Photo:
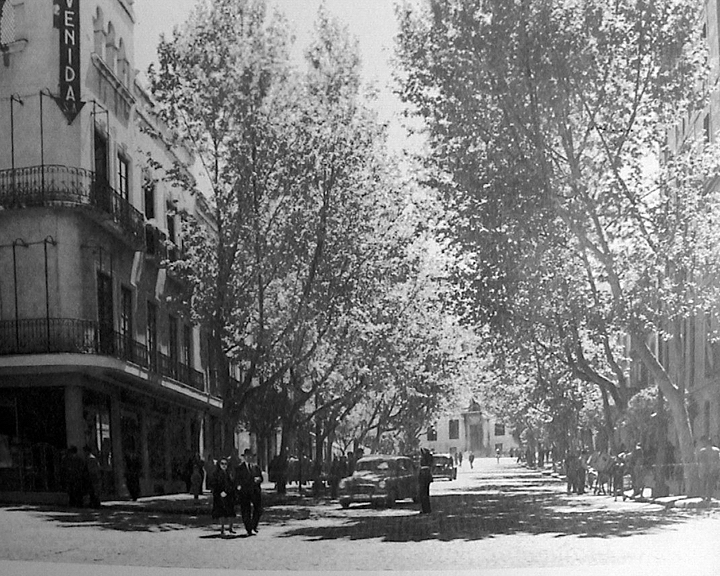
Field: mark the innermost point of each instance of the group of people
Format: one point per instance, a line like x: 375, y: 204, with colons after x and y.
x: 237, y: 484
x: 459, y: 459
x: 598, y: 470
x: 602, y: 473
x: 82, y: 476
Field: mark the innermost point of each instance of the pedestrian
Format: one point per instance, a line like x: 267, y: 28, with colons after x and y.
x: 249, y: 480
x: 471, y: 459
x: 334, y: 477
x: 571, y: 471
x: 460, y: 457
x: 582, y: 471
x: 196, y: 480
x: 424, y: 480
x: 94, y: 477
x: 708, y: 458
x: 223, y: 491
x: 73, y: 472
x: 497, y: 455
x: 637, y: 470
x: 133, y: 470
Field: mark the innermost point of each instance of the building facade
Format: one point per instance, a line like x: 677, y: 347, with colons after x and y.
x: 469, y: 430
x: 693, y: 356
x: 92, y: 353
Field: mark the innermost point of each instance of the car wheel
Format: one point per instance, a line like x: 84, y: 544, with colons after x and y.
x: 391, y: 499
x: 345, y: 503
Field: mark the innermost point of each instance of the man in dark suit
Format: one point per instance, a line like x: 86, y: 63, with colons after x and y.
x: 249, y: 479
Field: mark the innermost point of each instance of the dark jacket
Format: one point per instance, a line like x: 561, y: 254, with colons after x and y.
x: 248, y: 478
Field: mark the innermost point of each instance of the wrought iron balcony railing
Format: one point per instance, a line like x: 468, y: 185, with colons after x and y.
x: 55, y: 185
x: 159, y: 247
x: 64, y: 335
x: 155, y: 242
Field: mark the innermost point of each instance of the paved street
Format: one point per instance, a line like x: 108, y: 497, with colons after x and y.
x: 497, y: 519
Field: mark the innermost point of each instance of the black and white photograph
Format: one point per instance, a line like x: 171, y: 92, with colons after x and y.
x: 359, y: 286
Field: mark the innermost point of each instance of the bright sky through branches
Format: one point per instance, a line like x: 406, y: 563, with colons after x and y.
x: 373, y: 22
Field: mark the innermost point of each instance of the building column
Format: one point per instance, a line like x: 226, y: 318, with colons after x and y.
x: 74, y: 421
x: 202, y: 449
x: 118, y: 458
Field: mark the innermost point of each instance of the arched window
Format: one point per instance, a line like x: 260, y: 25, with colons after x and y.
x: 7, y: 23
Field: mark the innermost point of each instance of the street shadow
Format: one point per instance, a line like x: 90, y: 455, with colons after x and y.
x: 491, y: 512
x: 114, y: 519
x: 134, y: 518
x: 498, y: 506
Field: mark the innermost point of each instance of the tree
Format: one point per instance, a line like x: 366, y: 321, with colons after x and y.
x: 306, y: 212
x: 216, y: 76
x: 542, y: 116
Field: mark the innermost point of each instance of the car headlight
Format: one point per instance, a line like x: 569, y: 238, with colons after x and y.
x: 382, y: 484
x: 343, y: 484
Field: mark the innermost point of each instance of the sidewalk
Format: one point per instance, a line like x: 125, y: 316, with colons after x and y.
x: 676, y: 501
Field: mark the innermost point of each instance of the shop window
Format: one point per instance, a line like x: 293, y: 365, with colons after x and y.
x: 454, y: 429
x: 499, y: 429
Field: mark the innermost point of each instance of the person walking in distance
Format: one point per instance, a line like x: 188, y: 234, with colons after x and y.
x: 249, y: 480
x: 424, y: 480
x: 471, y: 459
x: 223, y: 491
x: 637, y: 470
x: 73, y: 471
x: 94, y: 475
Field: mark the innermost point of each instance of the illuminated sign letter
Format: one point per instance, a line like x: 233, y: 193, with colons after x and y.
x: 69, y: 23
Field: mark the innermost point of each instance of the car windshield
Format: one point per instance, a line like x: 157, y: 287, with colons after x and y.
x: 441, y: 460
x: 372, y: 465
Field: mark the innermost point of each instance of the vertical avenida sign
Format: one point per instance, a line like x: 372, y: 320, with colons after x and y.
x: 68, y: 19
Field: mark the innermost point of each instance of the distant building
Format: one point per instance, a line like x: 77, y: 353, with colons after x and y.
x: 470, y: 430
x: 91, y: 351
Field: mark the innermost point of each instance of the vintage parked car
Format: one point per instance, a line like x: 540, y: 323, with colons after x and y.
x: 380, y: 479
x: 444, y: 467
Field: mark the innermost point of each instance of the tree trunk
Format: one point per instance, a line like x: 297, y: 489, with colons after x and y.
x: 678, y: 411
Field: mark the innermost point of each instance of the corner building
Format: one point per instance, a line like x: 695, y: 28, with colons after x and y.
x: 91, y: 353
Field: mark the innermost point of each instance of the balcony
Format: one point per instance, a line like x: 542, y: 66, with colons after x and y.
x: 155, y: 243
x: 54, y: 185
x: 71, y: 336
